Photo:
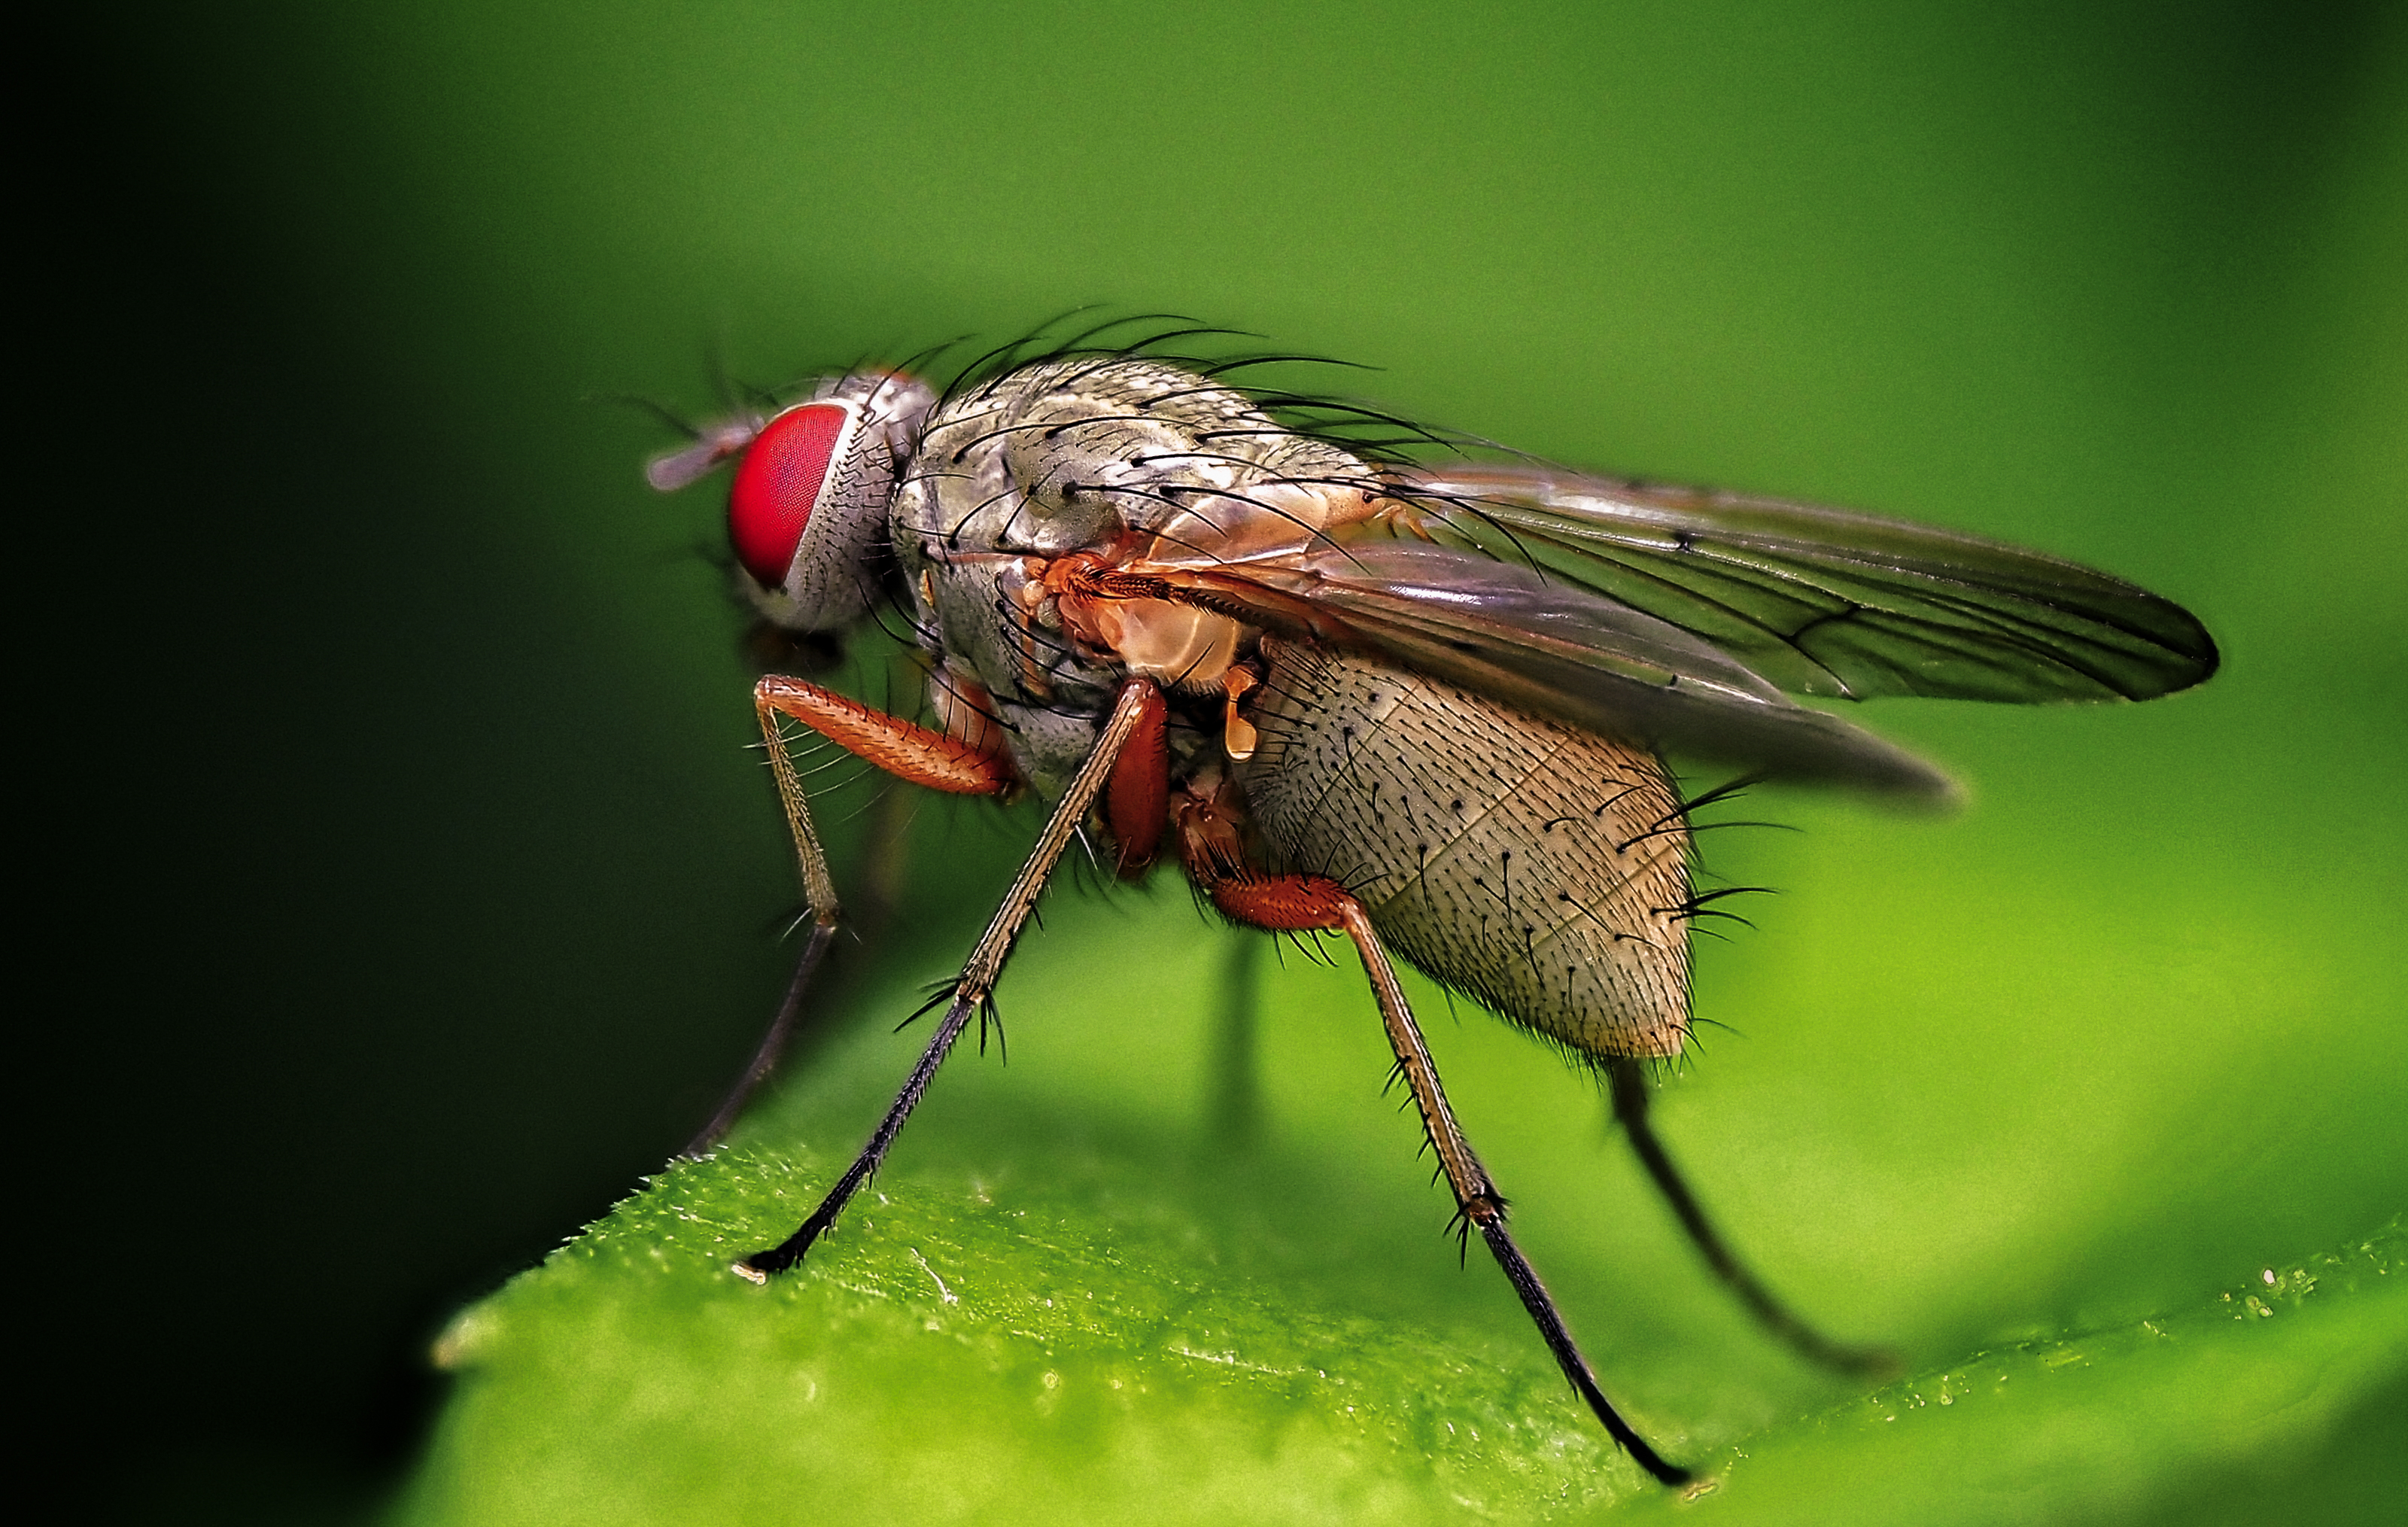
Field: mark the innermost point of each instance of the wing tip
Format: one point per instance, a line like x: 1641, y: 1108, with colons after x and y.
x: 1896, y: 778
x: 2192, y: 658
x: 2205, y: 657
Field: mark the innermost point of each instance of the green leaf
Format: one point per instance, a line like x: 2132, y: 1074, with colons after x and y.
x: 1069, y: 1298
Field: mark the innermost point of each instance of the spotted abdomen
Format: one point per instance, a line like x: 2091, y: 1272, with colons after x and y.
x: 1541, y: 869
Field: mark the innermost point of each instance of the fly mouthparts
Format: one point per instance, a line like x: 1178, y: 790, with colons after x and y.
x: 714, y: 444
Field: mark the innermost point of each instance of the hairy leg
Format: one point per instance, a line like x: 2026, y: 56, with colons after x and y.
x: 1311, y: 901
x: 904, y: 749
x: 977, y: 981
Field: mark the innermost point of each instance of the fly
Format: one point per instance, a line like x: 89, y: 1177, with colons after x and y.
x: 1423, y: 706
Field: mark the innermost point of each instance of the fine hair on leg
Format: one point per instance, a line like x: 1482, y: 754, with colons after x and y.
x: 909, y: 751
x: 1478, y: 1204
x: 973, y: 988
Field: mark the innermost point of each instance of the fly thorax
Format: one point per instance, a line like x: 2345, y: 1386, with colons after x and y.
x: 1096, y: 473
x: 1069, y: 454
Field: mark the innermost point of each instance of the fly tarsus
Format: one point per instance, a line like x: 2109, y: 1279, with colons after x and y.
x: 772, y: 1046
x: 1541, y: 1307
x: 1628, y: 1084
x: 761, y: 1266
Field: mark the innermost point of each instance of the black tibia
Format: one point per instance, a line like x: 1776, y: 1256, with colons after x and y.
x: 773, y: 1044
x: 1476, y: 1198
x: 789, y: 1251
x: 1567, y: 1355
x: 1629, y: 1083
x: 978, y: 978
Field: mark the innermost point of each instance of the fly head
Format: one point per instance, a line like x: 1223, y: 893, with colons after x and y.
x: 807, y: 513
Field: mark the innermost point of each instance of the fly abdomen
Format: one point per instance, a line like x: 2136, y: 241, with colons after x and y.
x: 1541, y: 869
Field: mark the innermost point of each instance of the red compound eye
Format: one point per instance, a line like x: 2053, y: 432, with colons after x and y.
x: 779, y: 482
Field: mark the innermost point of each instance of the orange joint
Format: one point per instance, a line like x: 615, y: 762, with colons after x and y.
x: 1238, y: 734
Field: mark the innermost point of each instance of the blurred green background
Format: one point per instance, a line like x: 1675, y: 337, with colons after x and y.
x: 409, y: 891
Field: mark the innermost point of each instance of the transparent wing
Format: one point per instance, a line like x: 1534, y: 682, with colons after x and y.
x: 1555, y: 649
x: 1822, y: 601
